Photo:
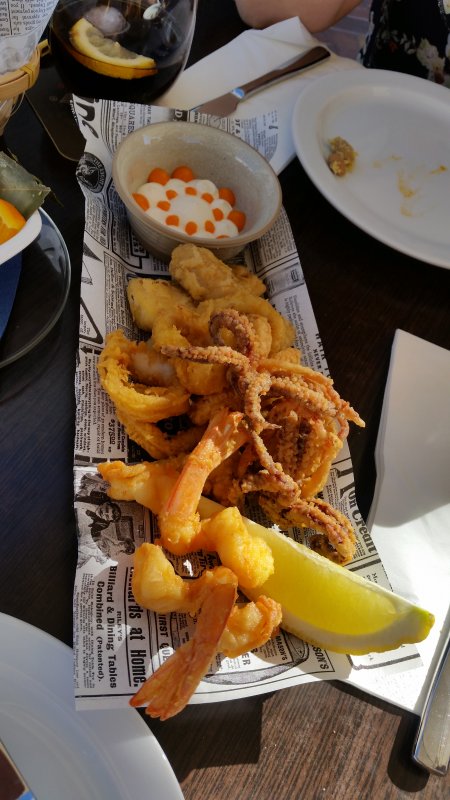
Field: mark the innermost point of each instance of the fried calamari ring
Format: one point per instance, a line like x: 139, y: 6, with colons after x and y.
x: 145, y: 403
x: 152, y: 368
x: 180, y: 330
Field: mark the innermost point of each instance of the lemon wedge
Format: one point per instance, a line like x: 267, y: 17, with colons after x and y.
x: 105, y: 56
x: 328, y: 605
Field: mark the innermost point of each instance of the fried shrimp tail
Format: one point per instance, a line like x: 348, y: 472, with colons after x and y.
x: 170, y: 688
x: 179, y: 522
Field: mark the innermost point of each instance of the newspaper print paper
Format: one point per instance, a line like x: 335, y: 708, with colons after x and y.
x: 116, y: 643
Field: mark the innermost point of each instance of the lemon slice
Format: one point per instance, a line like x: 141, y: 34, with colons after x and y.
x: 105, y: 56
x: 328, y: 605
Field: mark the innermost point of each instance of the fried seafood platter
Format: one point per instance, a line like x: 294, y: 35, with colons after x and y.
x: 256, y: 428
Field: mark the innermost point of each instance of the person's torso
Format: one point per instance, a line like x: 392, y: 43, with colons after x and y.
x: 410, y: 36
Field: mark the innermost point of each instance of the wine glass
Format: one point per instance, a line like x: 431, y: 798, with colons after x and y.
x: 130, y: 50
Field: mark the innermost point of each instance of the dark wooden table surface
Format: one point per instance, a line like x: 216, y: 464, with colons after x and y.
x: 323, y: 740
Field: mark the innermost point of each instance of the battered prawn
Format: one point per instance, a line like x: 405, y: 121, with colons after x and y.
x: 170, y: 688
x: 157, y: 587
x: 179, y: 521
x: 175, y: 497
x: 149, y: 483
x: 222, y: 626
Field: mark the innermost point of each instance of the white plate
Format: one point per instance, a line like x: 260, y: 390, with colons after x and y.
x: 399, y: 189
x: 21, y: 240
x: 62, y: 753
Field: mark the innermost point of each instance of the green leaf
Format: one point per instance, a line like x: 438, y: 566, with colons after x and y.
x: 19, y: 187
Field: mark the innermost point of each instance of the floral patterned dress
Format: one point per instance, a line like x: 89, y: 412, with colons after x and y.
x: 409, y: 36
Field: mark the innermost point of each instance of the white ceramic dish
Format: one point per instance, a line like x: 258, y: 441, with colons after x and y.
x: 62, y: 753
x: 211, y: 153
x: 399, y: 188
x: 21, y: 240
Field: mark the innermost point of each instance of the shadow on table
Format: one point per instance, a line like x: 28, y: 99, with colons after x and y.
x: 15, y: 377
x: 402, y: 770
x: 206, y: 735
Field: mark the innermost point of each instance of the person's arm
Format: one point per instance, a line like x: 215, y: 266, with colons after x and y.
x: 316, y: 15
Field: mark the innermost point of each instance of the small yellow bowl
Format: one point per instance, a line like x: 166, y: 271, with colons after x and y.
x: 212, y: 154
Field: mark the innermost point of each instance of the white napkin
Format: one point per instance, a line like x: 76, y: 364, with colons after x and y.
x: 410, y: 515
x: 250, y: 55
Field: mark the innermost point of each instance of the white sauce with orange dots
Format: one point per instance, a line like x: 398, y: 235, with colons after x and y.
x: 194, y: 206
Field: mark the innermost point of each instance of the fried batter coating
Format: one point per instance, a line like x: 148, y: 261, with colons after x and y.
x: 203, y: 408
x: 250, y: 625
x: 149, y: 483
x: 338, y: 542
x: 283, y: 334
x: 204, y: 276
x: 248, y: 281
x: 248, y: 556
x: 296, y: 422
x: 262, y: 423
x: 222, y: 626
x: 169, y: 689
x: 148, y: 298
x: 151, y: 367
x: 179, y: 521
x: 142, y: 402
x: 233, y: 352
x: 156, y: 442
x: 181, y: 328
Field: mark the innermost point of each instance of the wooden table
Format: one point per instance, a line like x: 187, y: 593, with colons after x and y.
x: 322, y: 740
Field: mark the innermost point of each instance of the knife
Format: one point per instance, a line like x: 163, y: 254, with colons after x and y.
x: 225, y: 104
x: 432, y: 744
x: 9, y: 279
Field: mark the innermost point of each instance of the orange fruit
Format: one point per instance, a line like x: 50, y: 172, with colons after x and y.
x: 11, y: 221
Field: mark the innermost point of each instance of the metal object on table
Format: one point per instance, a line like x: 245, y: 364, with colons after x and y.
x: 227, y: 103
x: 432, y: 744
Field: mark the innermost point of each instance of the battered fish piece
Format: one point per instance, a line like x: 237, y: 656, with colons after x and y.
x: 204, y: 276
x: 148, y: 298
